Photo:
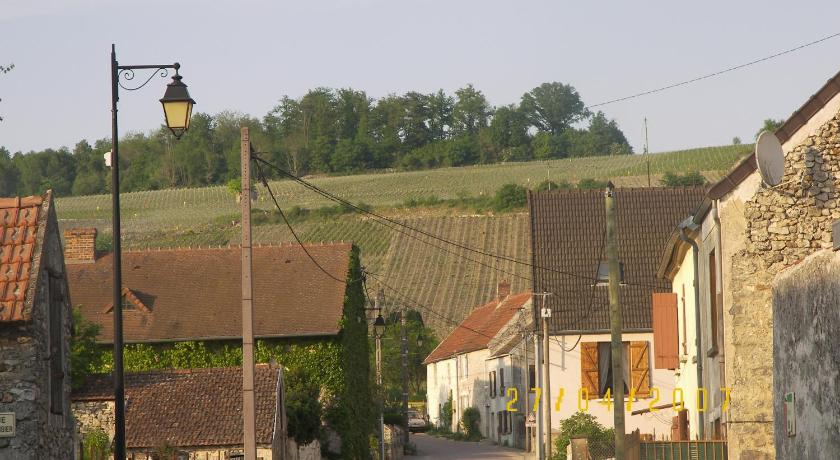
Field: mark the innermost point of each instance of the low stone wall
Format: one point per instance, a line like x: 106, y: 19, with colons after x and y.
x: 806, y: 361
x: 92, y: 415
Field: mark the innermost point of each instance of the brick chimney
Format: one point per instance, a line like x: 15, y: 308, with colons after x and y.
x: 503, y: 289
x: 79, y: 245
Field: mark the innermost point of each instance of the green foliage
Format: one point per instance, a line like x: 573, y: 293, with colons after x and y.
x: 234, y: 186
x: 583, y: 425
x: 85, y: 354
x: 590, y: 184
x: 770, y: 125
x: 421, y: 340
x: 551, y: 185
x: 688, y: 179
x: 303, y: 406
x: 510, y: 196
x: 96, y: 445
x: 471, y: 424
x: 104, y: 242
x: 446, y: 412
x: 736, y: 140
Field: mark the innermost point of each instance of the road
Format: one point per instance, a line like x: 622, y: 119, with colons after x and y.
x: 430, y: 447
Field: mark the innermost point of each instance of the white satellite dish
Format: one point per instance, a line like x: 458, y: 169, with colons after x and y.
x: 770, y: 158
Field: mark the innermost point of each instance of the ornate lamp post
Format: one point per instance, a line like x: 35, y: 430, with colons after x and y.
x: 177, y: 107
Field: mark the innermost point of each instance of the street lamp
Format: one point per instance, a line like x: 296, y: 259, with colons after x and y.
x: 177, y: 108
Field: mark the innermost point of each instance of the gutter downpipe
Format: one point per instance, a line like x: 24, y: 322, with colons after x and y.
x: 697, y: 330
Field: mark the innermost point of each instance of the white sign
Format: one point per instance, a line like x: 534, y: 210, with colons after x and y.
x: 545, y: 312
x: 7, y: 424
x: 790, y: 413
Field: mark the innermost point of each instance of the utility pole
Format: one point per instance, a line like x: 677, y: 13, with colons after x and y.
x: 404, y: 352
x: 647, y: 158
x: 380, y: 295
x: 545, y: 313
x: 248, y: 413
x: 615, y: 323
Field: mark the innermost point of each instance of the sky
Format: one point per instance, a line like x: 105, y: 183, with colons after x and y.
x: 245, y: 55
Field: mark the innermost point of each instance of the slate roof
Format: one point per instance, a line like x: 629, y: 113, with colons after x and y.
x: 19, y: 223
x: 567, y: 235
x: 193, y: 407
x: 195, y: 294
x: 479, y: 327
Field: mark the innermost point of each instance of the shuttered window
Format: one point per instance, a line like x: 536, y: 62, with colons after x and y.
x: 638, y: 362
x: 665, y: 330
x: 589, y: 368
x: 640, y: 368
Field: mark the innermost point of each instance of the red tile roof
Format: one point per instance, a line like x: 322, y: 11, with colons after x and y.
x: 195, y: 294
x: 481, y: 325
x: 19, y: 219
x: 195, y: 407
x: 567, y: 231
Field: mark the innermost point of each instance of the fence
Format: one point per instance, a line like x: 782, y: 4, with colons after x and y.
x: 682, y: 450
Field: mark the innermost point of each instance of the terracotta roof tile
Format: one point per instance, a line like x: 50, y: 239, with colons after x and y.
x: 195, y: 407
x: 481, y: 325
x: 193, y: 294
x: 19, y: 219
x: 567, y: 229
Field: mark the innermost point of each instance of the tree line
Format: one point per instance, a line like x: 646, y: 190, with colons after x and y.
x: 332, y: 131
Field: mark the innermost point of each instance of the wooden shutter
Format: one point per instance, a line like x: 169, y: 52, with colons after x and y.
x: 665, y: 330
x: 589, y: 368
x: 640, y: 368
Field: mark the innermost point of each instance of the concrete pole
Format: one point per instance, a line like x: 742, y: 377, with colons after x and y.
x: 378, y: 336
x: 615, y: 323
x: 404, y: 352
x: 547, y: 387
x: 538, y: 357
x: 248, y: 412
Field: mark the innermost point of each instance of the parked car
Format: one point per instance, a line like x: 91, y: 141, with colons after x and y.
x: 416, y: 422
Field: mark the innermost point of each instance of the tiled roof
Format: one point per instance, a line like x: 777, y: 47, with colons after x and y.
x: 567, y: 235
x: 195, y: 294
x: 479, y: 327
x: 195, y: 407
x: 19, y: 218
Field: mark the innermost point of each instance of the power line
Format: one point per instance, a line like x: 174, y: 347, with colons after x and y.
x: 294, y: 234
x: 715, y: 74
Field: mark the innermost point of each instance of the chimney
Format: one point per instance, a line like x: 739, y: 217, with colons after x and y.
x: 503, y: 290
x: 79, y: 245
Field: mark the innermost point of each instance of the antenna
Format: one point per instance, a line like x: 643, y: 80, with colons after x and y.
x: 646, y: 152
x: 770, y: 158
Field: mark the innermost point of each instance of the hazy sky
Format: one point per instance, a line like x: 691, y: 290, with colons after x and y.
x: 245, y: 55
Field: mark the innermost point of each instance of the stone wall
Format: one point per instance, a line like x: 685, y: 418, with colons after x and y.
x: 25, y: 361
x: 806, y: 362
x: 93, y: 415
x: 783, y: 225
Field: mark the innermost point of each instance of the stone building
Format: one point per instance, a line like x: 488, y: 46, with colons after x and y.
x: 35, y: 323
x: 755, y: 233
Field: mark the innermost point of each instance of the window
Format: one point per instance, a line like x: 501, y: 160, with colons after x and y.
x: 596, y: 368
x: 604, y: 273
x: 532, y: 376
x: 684, y: 328
x: 491, y: 377
x: 502, y: 381
x: 466, y: 366
x: 715, y: 317
x: 55, y: 299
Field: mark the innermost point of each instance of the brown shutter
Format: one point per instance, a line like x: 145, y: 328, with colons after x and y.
x: 665, y: 330
x: 589, y: 368
x: 640, y: 368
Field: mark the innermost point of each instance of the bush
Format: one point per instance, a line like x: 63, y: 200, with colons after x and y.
x: 446, y: 414
x: 589, y: 184
x: 510, y: 196
x: 551, y: 185
x: 582, y: 425
x: 303, y: 406
x: 471, y: 424
x: 689, y: 179
x: 96, y: 445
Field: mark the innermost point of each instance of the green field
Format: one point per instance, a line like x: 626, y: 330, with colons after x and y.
x: 440, y: 280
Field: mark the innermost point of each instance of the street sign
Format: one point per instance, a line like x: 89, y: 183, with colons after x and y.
x: 545, y: 313
x: 531, y: 421
x: 7, y: 424
x: 790, y: 413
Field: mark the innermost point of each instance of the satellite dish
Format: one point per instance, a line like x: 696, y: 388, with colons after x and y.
x: 770, y: 158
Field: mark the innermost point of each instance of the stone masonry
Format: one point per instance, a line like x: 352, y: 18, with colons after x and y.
x: 784, y: 224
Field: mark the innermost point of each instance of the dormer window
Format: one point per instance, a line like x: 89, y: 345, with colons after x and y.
x: 604, y: 273
x: 130, y: 302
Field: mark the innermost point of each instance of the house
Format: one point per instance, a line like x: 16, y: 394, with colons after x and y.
x: 751, y: 238
x: 35, y: 417
x: 570, y: 269
x: 193, y: 413
x: 461, y: 368
x: 190, y: 299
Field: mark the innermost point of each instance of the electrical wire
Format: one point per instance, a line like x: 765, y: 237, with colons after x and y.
x: 294, y: 234
x: 591, y: 298
x: 714, y: 74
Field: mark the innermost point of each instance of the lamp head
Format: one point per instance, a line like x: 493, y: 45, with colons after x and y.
x: 177, y: 106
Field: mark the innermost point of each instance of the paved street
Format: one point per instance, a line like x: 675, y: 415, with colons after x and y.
x: 430, y: 447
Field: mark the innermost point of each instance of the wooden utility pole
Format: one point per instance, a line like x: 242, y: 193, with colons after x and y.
x: 647, y: 158
x: 615, y: 323
x: 404, y: 352
x: 545, y: 313
x: 377, y: 305
x: 248, y: 413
